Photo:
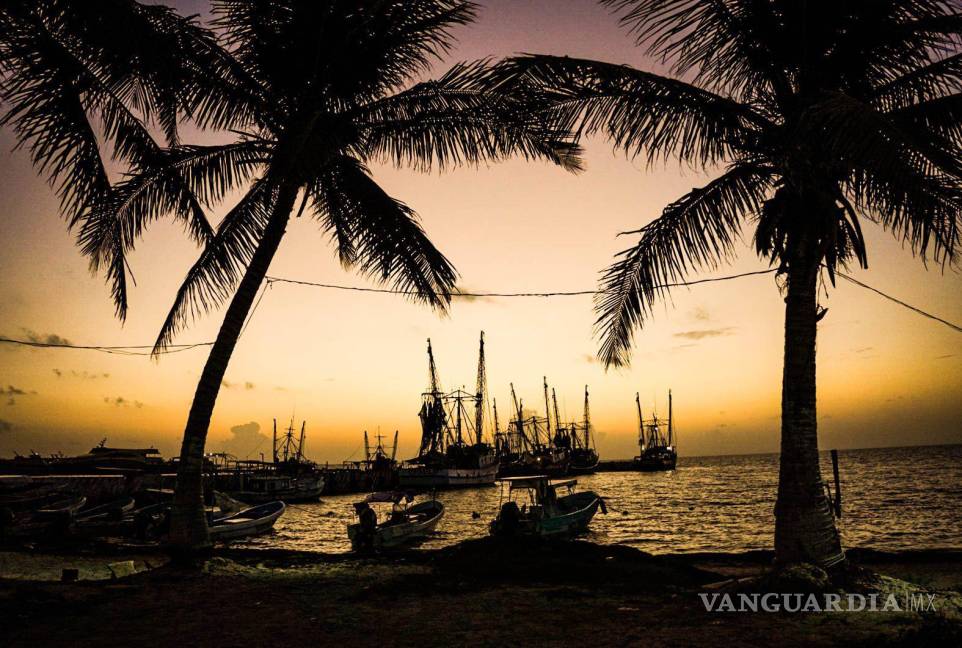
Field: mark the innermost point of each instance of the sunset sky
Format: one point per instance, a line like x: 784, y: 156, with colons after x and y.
x: 347, y: 361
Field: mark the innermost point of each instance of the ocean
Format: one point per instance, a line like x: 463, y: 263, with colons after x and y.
x: 892, y: 499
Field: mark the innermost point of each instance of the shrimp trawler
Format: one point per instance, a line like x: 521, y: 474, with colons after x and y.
x: 656, y: 441
x: 453, y: 451
x: 529, y: 447
x: 584, y: 456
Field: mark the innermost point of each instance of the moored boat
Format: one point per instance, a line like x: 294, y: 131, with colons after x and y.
x: 453, y: 452
x: 407, y: 522
x: 657, y: 448
x: 544, y: 512
x: 249, y: 522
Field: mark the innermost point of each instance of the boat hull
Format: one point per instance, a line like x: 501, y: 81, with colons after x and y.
x: 576, y: 513
x: 431, y: 477
x: 249, y: 522
x: 396, y: 535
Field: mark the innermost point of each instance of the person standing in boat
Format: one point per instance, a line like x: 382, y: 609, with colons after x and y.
x: 368, y: 519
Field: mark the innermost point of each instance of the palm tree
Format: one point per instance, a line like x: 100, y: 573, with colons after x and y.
x: 820, y: 115
x: 81, y: 82
x: 314, y: 92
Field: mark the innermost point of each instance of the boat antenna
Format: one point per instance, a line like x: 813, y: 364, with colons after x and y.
x: 547, y: 410
x: 482, y: 389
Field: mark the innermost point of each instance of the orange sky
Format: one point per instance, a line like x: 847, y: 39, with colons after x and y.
x: 348, y: 361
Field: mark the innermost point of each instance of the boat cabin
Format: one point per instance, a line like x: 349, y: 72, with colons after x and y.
x: 535, y: 493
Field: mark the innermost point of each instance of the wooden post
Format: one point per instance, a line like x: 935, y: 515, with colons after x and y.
x: 838, y: 490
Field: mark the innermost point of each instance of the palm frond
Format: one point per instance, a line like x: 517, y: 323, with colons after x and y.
x: 461, y: 118
x: 908, y: 179
x: 380, y: 236
x: 697, y: 231
x: 736, y: 47
x: 215, y: 274
x: 640, y: 111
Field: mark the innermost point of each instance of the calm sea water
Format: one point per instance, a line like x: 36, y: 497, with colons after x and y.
x: 892, y: 498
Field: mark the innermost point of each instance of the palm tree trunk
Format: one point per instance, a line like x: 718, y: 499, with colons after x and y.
x: 804, y: 524
x: 188, y: 526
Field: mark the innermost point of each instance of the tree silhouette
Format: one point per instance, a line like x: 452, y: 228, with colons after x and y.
x: 821, y: 114
x: 314, y: 92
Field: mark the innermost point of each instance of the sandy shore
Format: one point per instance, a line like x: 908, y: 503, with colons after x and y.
x: 481, y: 593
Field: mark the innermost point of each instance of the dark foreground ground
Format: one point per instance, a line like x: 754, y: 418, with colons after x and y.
x: 479, y: 593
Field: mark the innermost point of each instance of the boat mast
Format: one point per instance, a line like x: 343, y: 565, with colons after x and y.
x: 669, y: 419
x: 554, y: 398
x: 497, y: 429
x: 480, y: 393
x: 432, y: 371
x: 519, y: 423
x: 587, y: 418
x: 547, y: 410
x: 641, y: 425
x: 300, y: 444
x: 367, y: 447
x: 274, y: 448
x: 394, y: 448
x: 457, y: 405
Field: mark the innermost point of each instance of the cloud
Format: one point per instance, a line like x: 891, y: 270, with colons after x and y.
x: 701, y: 314
x: 246, y: 439
x: 45, y: 338
x: 864, y: 349
x: 14, y: 393
x: 700, y: 334
x: 473, y: 295
x: 82, y: 375
x: 5, y: 426
x: 945, y: 357
x: 120, y: 401
x: 247, y: 385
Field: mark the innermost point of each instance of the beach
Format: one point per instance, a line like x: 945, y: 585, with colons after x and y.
x: 480, y: 592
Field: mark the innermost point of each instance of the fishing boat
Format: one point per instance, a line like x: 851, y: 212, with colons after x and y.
x: 249, y: 522
x: 453, y: 452
x: 583, y: 455
x: 534, y: 445
x: 66, y: 507
x: 407, y: 522
x: 537, y: 506
x: 656, y: 441
x: 114, y: 509
x: 288, y: 476
x: 53, y: 515
x: 258, y: 482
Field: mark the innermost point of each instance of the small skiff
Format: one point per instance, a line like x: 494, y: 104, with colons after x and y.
x: 546, y: 512
x: 405, y: 524
x: 249, y: 522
